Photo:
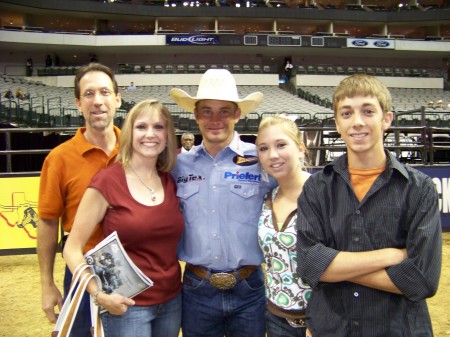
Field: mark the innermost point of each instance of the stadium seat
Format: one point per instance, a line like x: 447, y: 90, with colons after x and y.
x: 181, y: 68
x: 127, y: 69
x: 398, y: 72
x: 388, y: 71
x: 415, y: 72
x: 169, y: 68
x: 340, y: 70
x: 193, y: 126
x: 301, y: 69
x: 148, y: 69
x: 191, y: 68
x: 311, y: 69
x: 42, y: 71
x: 176, y: 119
x: 137, y: 69
x: 379, y: 71
x: 118, y: 121
x: 236, y: 69
x: 252, y: 125
x: 121, y: 68
x: 370, y: 71
x: 52, y: 71
x: 320, y: 70
x: 241, y: 125
x: 62, y: 71
x: 246, y: 69
x: 183, y: 123
x: 256, y: 68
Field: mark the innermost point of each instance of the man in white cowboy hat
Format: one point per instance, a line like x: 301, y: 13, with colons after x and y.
x: 221, y: 192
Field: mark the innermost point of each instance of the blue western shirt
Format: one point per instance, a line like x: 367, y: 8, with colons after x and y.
x: 221, y: 199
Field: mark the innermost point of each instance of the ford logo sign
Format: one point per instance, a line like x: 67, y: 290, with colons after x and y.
x: 360, y: 43
x: 381, y: 44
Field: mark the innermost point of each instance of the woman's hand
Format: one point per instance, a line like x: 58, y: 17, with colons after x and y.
x: 115, y: 304
x: 308, y: 333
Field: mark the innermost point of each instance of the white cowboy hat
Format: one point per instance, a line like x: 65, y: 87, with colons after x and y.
x: 217, y: 84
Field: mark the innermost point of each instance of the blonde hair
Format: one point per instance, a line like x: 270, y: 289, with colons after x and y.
x: 167, y: 158
x: 289, y: 128
x: 363, y: 85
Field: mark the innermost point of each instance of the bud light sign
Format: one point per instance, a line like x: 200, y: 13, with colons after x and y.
x: 191, y: 39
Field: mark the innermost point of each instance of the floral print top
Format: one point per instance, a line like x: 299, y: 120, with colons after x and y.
x: 284, y: 287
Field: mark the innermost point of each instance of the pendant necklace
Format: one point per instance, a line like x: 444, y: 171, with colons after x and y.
x: 152, y: 190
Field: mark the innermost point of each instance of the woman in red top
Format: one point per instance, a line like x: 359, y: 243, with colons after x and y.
x: 136, y: 196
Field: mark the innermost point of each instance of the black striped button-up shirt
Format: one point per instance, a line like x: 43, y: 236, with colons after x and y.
x: 400, y: 210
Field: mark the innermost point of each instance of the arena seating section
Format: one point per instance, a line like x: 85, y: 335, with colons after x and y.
x: 54, y: 106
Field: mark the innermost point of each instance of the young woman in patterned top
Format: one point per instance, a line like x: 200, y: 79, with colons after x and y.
x: 281, y: 153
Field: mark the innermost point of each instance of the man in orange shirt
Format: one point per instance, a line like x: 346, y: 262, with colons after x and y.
x: 65, y: 175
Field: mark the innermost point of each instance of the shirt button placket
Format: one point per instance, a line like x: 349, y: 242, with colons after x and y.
x: 214, y: 220
x: 359, y: 226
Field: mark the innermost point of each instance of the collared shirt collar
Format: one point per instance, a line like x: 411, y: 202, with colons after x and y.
x: 183, y: 150
x: 340, y: 164
x: 84, y: 146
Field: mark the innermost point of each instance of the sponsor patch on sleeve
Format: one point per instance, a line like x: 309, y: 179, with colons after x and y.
x: 245, y: 160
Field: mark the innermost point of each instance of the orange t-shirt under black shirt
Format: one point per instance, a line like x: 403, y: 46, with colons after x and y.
x: 362, y: 180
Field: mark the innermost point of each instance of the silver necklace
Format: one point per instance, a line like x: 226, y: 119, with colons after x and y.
x: 152, y: 190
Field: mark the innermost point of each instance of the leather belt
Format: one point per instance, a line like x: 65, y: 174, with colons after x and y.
x: 222, y: 280
x: 295, y: 318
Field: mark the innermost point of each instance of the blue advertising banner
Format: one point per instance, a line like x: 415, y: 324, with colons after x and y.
x: 441, y: 178
x: 191, y: 39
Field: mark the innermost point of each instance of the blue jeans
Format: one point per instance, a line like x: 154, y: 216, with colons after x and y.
x: 82, y: 324
x: 279, y: 327
x: 161, y: 320
x: 211, y: 312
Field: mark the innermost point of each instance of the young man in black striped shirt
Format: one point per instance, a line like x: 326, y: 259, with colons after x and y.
x: 369, y: 232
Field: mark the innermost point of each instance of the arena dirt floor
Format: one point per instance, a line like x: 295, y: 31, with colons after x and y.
x: 21, y: 315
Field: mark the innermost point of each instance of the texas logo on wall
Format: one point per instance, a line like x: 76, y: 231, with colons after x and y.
x: 18, y: 212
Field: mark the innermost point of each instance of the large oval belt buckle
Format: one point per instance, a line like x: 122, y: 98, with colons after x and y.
x: 222, y: 281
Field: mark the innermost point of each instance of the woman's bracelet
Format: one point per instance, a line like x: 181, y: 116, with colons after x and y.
x: 94, y: 297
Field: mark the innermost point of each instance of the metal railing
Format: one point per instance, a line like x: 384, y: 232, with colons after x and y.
x: 422, y: 149
x: 415, y: 136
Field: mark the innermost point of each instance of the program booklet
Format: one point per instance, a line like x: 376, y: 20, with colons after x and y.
x: 115, y: 269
